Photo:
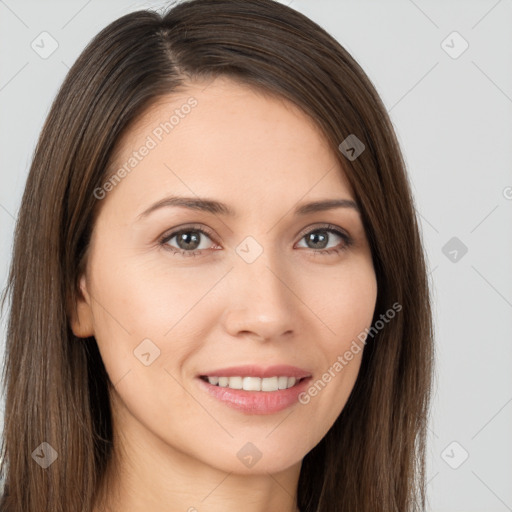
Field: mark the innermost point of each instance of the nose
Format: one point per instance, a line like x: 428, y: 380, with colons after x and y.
x: 261, y: 303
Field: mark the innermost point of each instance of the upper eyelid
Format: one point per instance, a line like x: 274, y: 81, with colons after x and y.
x: 173, y: 232
x: 326, y: 226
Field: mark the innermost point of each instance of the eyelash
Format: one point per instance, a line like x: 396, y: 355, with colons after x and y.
x: 347, y: 240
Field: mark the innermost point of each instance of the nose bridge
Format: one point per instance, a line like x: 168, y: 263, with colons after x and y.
x: 260, y: 300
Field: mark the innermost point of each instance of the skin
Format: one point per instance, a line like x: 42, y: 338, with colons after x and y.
x: 175, y: 446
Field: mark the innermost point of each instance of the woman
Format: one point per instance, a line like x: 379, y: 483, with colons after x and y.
x: 287, y: 364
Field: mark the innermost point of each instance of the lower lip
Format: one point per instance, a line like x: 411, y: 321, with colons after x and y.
x: 256, y: 402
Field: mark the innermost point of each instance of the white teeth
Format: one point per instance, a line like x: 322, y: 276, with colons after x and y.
x: 253, y: 383
x: 235, y: 383
x: 282, y: 382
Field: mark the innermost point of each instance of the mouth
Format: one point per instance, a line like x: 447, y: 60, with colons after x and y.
x: 256, y: 378
x: 262, y: 392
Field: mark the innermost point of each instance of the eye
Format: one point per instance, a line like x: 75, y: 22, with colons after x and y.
x: 321, y: 236
x: 189, y: 241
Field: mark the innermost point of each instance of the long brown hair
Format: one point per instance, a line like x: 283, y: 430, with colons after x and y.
x: 57, y: 389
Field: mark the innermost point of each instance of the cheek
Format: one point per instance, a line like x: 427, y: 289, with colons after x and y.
x: 146, y: 327
x: 344, y: 300
x: 141, y: 296
x: 346, y: 307
x: 148, y: 312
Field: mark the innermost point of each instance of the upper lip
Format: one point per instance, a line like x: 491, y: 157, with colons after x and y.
x: 279, y: 370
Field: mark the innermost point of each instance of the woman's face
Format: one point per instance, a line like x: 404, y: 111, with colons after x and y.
x: 266, y: 285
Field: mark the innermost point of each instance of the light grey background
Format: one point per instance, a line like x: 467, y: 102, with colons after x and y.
x: 453, y: 117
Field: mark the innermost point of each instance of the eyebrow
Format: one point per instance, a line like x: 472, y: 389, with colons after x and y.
x: 218, y: 208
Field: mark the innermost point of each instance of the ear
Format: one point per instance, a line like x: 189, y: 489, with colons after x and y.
x: 81, y: 314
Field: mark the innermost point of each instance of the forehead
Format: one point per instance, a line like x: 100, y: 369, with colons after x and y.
x: 223, y: 106
x: 219, y: 137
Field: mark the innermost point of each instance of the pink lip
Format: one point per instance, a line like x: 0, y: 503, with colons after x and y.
x: 280, y: 370
x: 257, y: 402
